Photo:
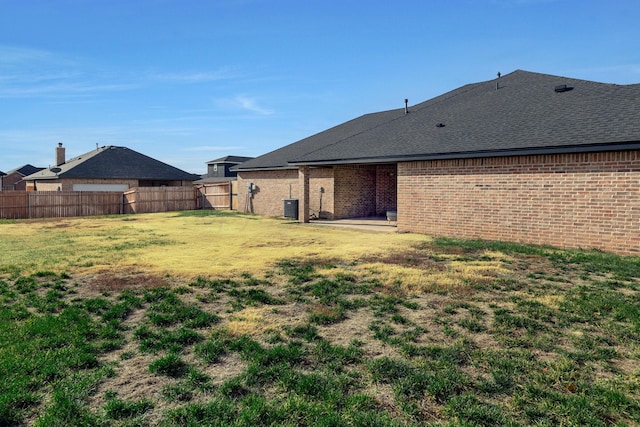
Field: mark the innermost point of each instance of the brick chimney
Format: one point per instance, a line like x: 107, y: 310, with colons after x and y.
x: 60, y: 158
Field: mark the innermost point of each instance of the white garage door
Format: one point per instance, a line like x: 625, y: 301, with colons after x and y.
x: 100, y: 187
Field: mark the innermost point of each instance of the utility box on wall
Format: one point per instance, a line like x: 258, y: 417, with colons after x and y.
x: 291, y: 208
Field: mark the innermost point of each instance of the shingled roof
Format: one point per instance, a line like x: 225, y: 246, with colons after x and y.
x: 24, y: 170
x: 230, y: 160
x: 280, y: 158
x: 111, y: 162
x: 519, y: 113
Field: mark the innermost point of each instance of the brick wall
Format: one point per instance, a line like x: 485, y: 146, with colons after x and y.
x: 275, y: 186
x: 322, y: 202
x: 572, y: 200
x: 272, y: 188
x: 355, y: 191
x: 386, y: 189
x: 334, y: 192
x: 13, y: 182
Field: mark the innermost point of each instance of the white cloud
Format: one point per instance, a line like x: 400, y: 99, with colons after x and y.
x: 13, y: 55
x: 224, y: 73
x: 246, y: 103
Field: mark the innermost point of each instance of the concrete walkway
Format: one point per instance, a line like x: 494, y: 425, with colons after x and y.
x: 369, y: 223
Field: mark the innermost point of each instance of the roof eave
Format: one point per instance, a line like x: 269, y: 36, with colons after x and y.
x: 266, y: 168
x: 622, y: 146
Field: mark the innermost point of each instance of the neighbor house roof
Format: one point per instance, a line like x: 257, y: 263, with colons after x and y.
x: 519, y: 113
x: 111, y: 162
x: 230, y: 160
x: 25, y: 170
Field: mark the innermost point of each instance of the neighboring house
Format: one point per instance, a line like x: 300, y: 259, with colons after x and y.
x: 107, y: 168
x: 526, y: 157
x: 2, y: 175
x: 14, y: 179
x: 219, y: 170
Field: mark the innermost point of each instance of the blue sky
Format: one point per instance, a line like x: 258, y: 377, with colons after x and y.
x: 187, y: 82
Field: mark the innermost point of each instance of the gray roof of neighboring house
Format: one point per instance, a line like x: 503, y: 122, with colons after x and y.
x: 113, y: 162
x: 2, y: 173
x: 230, y: 160
x: 527, y: 113
x: 25, y: 170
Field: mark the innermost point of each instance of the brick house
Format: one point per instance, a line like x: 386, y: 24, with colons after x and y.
x: 14, y: 179
x: 220, y: 170
x: 526, y: 157
x: 108, y: 168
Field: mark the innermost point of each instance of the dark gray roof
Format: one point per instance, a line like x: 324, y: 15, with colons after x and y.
x: 113, y: 162
x: 279, y: 159
x: 25, y: 170
x: 527, y: 113
x: 2, y: 173
x: 230, y: 160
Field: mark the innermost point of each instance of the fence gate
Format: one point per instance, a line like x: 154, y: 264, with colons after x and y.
x: 218, y: 195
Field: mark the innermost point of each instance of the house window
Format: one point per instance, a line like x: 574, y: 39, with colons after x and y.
x: 215, y: 168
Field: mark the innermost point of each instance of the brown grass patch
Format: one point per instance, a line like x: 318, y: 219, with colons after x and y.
x: 107, y: 281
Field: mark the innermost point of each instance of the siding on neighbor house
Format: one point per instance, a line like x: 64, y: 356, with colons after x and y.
x: 67, y: 184
x: 579, y: 200
x: 13, y: 182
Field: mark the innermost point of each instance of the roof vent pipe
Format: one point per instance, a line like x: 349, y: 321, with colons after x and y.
x: 406, y: 106
x: 497, y: 83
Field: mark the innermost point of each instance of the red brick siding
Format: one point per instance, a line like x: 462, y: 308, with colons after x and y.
x: 355, y: 191
x: 321, y: 203
x: 347, y: 191
x: 13, y: 182
x: 386, y: 189
x: 272, y: 188
x: 572, y: 200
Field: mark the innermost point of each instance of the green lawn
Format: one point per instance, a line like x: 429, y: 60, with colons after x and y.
x: 439, y: 332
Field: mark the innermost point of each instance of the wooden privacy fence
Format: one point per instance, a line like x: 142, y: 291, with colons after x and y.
x: 55, y: 204
x: 159, y: 199
x: 218, y: 195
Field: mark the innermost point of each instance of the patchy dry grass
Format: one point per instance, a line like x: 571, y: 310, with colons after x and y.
x: 186, y: 244
x: 418, y: 332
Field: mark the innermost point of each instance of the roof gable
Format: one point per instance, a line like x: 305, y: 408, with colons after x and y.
x: 113, y: 162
